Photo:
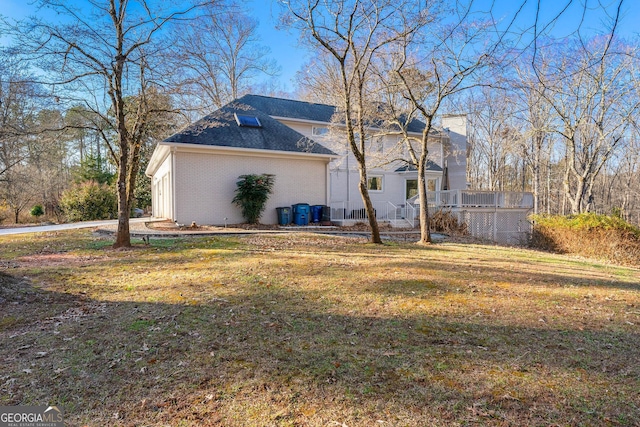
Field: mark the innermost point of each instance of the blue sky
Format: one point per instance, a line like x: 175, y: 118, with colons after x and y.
x: 290, y: 56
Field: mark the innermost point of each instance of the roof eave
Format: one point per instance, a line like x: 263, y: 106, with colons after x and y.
x: 158, y: 157
x: 185, y: 146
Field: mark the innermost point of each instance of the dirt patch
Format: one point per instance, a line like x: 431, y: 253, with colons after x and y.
x: 56, y: 259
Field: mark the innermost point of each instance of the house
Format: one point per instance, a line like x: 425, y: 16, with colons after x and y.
x: 194, y: 171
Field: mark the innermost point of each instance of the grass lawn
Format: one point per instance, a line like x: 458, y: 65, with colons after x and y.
x: 311, y: 330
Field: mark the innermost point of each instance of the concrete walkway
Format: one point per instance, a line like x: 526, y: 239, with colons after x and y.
x: 71, y: 226
x: 138, y: 227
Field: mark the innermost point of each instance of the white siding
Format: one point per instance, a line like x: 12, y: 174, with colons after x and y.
x: 344, y: 184
x: 206, y: 183
x: 456, y: 150
x: 394, y: 185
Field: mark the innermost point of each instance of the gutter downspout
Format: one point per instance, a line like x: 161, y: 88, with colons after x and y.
x: 174, y: 206
x: 327, y: 197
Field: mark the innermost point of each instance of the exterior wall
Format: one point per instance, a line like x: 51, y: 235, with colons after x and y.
x: 303, y: 128
x: 206, y: 183
x: 455, y: 151
x: 344, y: 185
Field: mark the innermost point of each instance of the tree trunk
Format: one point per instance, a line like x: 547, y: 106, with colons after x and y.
x: 371, y: 212
x: 425, y: 226
x: 123, y: 238
x: 576, y: 199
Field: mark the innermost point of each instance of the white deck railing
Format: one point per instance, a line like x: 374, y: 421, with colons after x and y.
x: 385, y: 211
x: 500, y: 216
x: 354, y: 210
x: 479, y: 199
x: 409, y: 211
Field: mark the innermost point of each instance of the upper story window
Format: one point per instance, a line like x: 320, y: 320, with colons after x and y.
x: 319, y: 130
x: 374, y: 183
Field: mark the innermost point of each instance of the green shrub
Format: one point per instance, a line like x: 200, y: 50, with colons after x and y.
x: 89, y: 201
x: 252, y: 194
x: 37, y: 211
x: 598, y: 236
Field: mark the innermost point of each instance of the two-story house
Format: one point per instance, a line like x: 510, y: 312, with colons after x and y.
x: 194, y: 171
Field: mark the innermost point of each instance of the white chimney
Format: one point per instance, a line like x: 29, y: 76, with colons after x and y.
x: 455, y: 150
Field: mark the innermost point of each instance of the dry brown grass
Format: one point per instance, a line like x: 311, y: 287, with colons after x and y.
x: 594, y: 236
x: 309, y: 330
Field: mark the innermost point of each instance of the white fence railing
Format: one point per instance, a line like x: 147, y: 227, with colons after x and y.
x: 478, y: 199
x: 355, y: 210
x: 385, y: 211
x: 499, y: 216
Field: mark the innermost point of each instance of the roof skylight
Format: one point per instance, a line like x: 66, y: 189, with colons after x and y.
x: 248, y: 121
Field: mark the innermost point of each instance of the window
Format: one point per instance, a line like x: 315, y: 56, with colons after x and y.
x: 248, y: 121
x: 319, y: 131
x: 412, y: 188
x: 432, y: 184
x: 375, y: 183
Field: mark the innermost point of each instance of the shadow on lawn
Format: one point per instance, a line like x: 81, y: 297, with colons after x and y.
x: 517, y: 270
x: 514, y: 272
x: 279, y: 352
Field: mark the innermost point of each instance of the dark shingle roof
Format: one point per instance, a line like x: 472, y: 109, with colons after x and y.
x: 431, y: 166
x: 221, y: 129
x: 279, y: 107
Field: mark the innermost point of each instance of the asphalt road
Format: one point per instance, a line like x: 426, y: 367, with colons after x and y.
x: 58, y: 227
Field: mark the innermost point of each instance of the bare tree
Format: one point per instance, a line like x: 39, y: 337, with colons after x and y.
x: 589, y: 88
x: 103, y: 53
x: 537, y: 141
x: 494, y: 135
x: 18, y: 110
x: 18, y: 189
x: 353, y: 33
x: 219, y: 57
x: 319, y: 80
x: 427, y: 66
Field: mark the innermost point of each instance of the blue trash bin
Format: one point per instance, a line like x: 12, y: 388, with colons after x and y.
x: 284, y: 215
x: 316, y: 213
x: 301, y: 208
x: 300, y: 219
x: 301, y: 213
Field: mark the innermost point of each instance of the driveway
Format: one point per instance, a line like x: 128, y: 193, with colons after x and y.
x: 70, y: 226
